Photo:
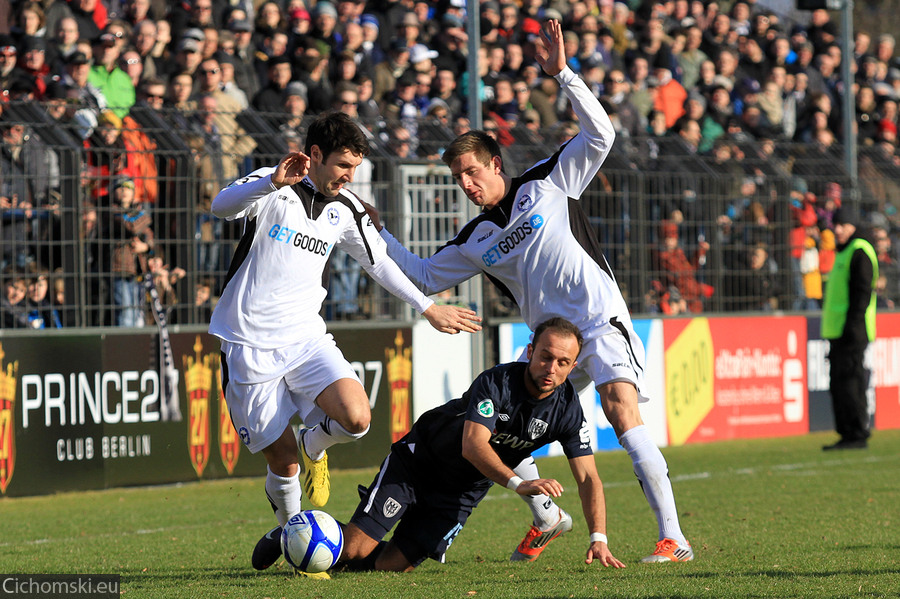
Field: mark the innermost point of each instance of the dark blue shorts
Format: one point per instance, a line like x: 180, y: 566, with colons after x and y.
x: 427, y: 519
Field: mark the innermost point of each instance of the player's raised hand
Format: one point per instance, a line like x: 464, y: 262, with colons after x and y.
x: 291, y: 169
x: 551, y: 53
x: 452, y: 319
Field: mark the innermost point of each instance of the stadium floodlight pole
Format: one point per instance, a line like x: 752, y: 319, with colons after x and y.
x: 849, y: 108
x: 473, y: 30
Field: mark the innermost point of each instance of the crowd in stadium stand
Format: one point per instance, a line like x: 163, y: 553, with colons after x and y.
x: 707, y: 73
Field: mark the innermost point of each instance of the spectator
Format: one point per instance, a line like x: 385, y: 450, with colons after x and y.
x: 145, y: 34
x: 245, y: 70
x: 9, y: 72
x: 132, y: 241
x: 691, y: 57
x: 294, y: 108
x: 366, y: 106
x: 131, y: 63
x: 106, y: 75
x: 387, y: 72
x: 753, y: 287
x: 12, y: 304
x: 203, y: 298
x: 41, y: 313
x: 90, y: 19
x: 35, y: 65
x: 450, y: 44
x: 675, y: 270
x: 271, y: 97
x: 444, y: 88
x: 641, y: 95
x: 67, y: 312
x: 669, y: 97
x: 228, y: 64
x: 164, y: 280
x: 313, y: 72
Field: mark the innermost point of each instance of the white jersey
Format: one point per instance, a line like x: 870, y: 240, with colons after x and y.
x: 276, y: 283
x: 537, y: 244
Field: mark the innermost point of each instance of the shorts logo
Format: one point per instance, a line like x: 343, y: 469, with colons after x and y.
x: 333, y: 216
x: 391, y: 507
x: 245, y: 435
x: 503, y: 417
x: 536, y: 428
x: 537, y: 221
x: 525, y: 203
x: 486, y: 408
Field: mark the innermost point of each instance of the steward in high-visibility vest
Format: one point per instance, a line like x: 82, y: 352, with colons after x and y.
x: 848, y: 321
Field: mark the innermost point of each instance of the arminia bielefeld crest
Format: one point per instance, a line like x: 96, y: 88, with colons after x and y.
x: 536, y: 428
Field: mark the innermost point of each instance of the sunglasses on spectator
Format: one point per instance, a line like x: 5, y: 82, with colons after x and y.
x: 521, y: 90
x: 8, y: 51
x: 132, y: 61
x: 155, y: 96
x: 210, y: 71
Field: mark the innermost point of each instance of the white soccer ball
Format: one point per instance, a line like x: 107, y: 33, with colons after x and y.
x: 311, y: 541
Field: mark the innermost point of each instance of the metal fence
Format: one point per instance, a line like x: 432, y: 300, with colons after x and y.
x: 63, y: 184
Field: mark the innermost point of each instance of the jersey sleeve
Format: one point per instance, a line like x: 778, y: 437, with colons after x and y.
x: 581, y: 158
x: 362, y: 242
x: 241, y: 198
x: 483, y: 401
x: 447, y: 268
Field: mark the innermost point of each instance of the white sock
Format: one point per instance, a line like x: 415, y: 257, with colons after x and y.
x: 544, y: 510
x: 652, y: 471
x: 284, y: 495
x: 325, y: 434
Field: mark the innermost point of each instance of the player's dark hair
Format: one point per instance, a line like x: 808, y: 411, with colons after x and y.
x: 560, y: 325
x: 334, y: 132
x: 479, y: 143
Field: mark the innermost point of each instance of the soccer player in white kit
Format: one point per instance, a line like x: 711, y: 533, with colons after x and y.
x: 278, y: 359
x: 534, y: 241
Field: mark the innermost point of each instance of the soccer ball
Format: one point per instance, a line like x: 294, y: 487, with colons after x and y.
x: 311, y: 541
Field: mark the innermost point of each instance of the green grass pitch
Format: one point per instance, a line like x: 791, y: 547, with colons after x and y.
x: 767, y: 518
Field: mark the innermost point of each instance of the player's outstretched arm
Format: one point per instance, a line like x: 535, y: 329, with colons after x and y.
x: 452, y: 319
x: 593, y: 503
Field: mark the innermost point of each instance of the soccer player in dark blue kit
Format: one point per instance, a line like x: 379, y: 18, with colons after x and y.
x: 436, y: 474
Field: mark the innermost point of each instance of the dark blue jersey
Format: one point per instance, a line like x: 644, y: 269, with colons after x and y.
x: 518, y: 422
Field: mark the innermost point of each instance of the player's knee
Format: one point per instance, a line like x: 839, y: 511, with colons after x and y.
x: 357, y: 421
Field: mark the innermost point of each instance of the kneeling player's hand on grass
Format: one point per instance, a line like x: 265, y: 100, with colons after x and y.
x: 600, y: 551
x: 452, y: 319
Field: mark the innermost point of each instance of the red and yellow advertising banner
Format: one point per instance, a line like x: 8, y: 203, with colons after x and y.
x: 198, y: 381
x: 229, y: 442
x: 8, y: 381
x: 885, y: 364
x: 733, y: 378
x: 399, y: 375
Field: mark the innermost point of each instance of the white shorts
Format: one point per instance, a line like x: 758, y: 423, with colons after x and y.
x: 609, y: 357
x: 264, y: 389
